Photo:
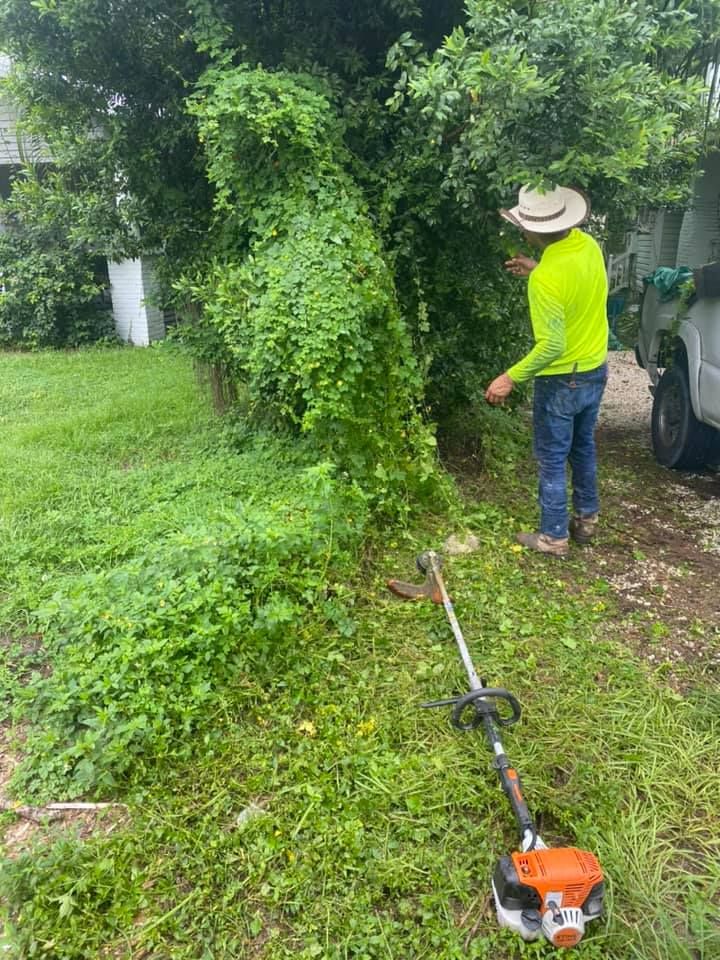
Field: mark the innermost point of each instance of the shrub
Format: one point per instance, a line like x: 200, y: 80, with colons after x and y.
x: 51, y: 283
x: 48, y: 298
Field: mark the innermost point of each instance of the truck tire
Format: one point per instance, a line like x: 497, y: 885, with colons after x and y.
x: 679, y: 440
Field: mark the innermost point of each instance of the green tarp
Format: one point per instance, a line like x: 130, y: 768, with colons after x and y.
x: 668, y: 281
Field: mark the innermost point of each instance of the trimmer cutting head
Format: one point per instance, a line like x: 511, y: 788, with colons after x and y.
x: 429, y: 590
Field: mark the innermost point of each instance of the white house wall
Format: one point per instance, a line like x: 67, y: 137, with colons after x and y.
x: 656, y: 242
x: 127, y: 299
x: 9, y: 147
x: 132, y: 285
x: 15, y: 149
x: 9, y: 153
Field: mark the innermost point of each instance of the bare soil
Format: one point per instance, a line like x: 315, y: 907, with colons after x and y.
x: 20, y: 831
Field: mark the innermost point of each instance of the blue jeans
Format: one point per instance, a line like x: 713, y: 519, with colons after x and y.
x: 565, y: 411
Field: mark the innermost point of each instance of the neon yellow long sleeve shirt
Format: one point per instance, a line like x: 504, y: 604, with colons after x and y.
x: 567, y: 295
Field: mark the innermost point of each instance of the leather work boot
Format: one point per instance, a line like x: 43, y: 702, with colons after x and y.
x: 583, y: 529
x: 542, y: 543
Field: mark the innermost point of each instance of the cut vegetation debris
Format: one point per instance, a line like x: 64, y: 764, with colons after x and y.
x: 286, y: 795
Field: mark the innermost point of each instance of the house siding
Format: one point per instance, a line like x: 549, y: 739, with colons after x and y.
x: 699, y: 241
x: 656, y: 243
x: 646, y: 252
x: 9, y: 147
x: 16, y: 149
x: 153, y: 313
x: 132, y: 285
x: 670, y: 237
x: 9, y: 152
x: 127, y: 299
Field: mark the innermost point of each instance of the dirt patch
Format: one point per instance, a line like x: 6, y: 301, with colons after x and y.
x: 19, y: 830
x: 20, y: 834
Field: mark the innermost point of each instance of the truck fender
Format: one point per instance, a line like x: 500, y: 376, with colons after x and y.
x: 689, y: 335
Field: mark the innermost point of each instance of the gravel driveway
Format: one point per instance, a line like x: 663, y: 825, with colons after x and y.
x: 627, y: 402
x: 660, y: 550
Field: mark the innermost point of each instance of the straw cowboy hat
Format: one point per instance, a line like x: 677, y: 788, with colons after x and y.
x: 548, y: 211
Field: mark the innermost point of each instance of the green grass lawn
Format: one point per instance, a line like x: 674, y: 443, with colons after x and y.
x: 94, y: 447
x: 311, y: 809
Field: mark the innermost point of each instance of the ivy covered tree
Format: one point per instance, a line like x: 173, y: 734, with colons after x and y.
x: 429, y: 117
x: 299, y: 288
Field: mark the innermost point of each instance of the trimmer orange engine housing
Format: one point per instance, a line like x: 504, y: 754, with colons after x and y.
x: 556, y: 890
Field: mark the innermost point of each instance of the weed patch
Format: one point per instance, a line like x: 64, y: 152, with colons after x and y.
x: 136, y: 653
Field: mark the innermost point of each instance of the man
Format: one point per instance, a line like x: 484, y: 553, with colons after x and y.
x: 567, y: 294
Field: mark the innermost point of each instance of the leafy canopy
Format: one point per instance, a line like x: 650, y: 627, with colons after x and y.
x: 564, y: 91
x: 421, y: 119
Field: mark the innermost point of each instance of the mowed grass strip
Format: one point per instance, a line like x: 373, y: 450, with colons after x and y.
x: 94, y: 444
x: 324, y: 814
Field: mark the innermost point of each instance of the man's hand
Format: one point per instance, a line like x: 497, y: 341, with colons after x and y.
x: 500, y: 389
x: 520, y: 266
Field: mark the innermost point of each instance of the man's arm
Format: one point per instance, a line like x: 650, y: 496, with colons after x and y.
x: 547, y: 315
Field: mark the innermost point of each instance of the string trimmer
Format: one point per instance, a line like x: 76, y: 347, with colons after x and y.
x: 538, y: 890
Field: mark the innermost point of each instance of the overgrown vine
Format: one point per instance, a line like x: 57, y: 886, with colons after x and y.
x: 298, y: 286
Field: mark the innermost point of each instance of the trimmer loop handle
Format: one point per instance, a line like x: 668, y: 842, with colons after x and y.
x: 484, y: 702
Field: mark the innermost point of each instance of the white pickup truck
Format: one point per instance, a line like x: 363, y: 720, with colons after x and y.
x: 679, y: 346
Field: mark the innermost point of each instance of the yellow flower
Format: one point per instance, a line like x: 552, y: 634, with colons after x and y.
x: 307, y: 727
x: 367, y: 727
